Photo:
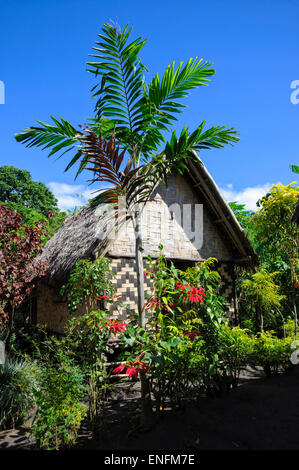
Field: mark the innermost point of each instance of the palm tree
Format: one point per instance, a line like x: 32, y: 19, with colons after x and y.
x: 124, y: 139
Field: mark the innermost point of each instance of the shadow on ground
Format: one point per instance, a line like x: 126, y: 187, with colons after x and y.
x: 262, y: 413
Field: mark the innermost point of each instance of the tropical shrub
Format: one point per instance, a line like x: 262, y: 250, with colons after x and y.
x: 19, y: 380
x: 176, y: 372
x: 60, y: 410
x: 88, y: 280
x: 178, y: 347
x: 260, y: 294
x: 277, y: 235
x: 271, y: 352
x: 290, y: 328
x: 235, y: 349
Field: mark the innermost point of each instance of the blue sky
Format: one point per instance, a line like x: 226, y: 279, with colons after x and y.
x: 254, y: 47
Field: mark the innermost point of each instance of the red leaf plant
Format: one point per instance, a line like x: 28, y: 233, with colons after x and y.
x: 19, y: 269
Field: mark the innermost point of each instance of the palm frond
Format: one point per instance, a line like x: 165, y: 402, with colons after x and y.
x: 105, y: 158
x: 60, y: 137
x: 159, y: 104
x: 179, y: 149
x: 121, y: 79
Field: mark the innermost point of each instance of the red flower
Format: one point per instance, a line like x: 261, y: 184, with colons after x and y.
x: 154, y: 303
x: 106, y: 297
x: 133, y: 368
x: 181, y: 286
x: 103, y: 297
x: 194, y: 295
x: 166, y: 308
x: 149, y: 274
x: 192, y: 334
x: 132, y: 371
x: 119, y: 369
x: 115, y: 326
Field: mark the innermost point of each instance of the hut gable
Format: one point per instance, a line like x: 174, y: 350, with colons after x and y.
x: 177, y: 218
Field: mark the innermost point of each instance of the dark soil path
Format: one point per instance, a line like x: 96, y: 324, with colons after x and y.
x: 262, y: 413
x: 259, y: 414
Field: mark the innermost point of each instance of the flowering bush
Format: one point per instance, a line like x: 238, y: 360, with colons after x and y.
x: 88, y: 342
x: 178, y: 348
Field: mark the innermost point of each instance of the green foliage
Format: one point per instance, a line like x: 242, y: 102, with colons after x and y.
x: 31, y: 199
x: 87, y: 340
x: 274, y: 236
x: 179, y: 343
x: 18, y: 189
x: 290, y: 328
x: 272, y: 352
x: 212, y: 310
x: 260, y: 294
x: 243, y: 216
x: 19, y: 380
x: 278, y: 234
x: 176, y: 371
x: 60, y: 410
x: 88, y: 280
x: 235, y: 349
x: 273, y: 221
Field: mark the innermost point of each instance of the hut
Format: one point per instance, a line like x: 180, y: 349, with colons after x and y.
x: 189, y: 218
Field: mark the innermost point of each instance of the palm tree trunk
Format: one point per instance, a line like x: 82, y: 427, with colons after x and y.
x: 146, y: 402
x: 139, y: 266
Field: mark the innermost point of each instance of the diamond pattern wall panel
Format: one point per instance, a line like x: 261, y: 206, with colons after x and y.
x: 125, y: 284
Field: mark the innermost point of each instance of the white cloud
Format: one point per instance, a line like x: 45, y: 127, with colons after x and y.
x: 248, y: 196
x: 70, y: 196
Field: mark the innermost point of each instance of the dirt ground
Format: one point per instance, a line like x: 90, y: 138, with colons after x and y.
x: 261, y: 414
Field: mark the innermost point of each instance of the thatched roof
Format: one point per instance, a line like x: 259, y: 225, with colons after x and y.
x: 79, y: 235
x: 76, y: 239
